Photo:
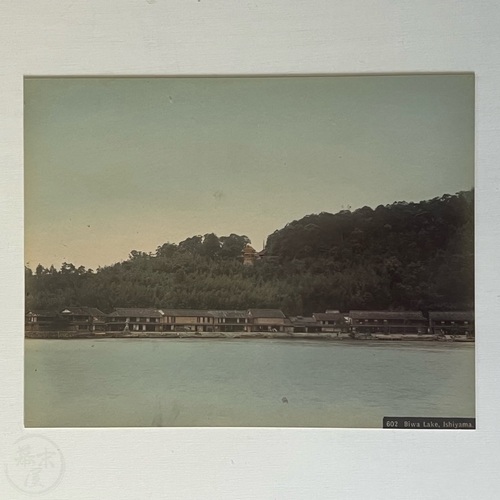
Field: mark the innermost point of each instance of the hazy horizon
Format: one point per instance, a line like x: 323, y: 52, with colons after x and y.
x: 116, y: 164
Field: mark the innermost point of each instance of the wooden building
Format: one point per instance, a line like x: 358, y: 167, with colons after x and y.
x: 134, y: 319
x: 331, y: 321
x: 229, y: 320
x: 41, y: 321
x: 452, y: 323
x: 249, y: 255
x: 188, y: 320
x: 266, y: 320
x: 84, y: 319
x: 264, y: 256
x: 302, y: 324
x: 398, y: 322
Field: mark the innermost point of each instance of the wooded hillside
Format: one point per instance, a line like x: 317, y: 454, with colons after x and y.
x: 399, y: 256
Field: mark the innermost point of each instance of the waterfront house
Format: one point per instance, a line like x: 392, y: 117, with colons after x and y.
x: 331, y: 321
x: 134, y: 319
x: 452, y: 323
x: 188, y: 320
x: 398, y: 322
x: 302, y: 324
x: 40, y: 320
x: 266, y: 320
x: 82, y: 319
x: 229, y: 320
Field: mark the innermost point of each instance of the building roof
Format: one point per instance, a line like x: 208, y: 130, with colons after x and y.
x: 249, y: 249
x: 224, y: 313
x: 138, y: 312
x: 303, y: 321
x: 82, y: 311
x: 42, y: 313
x: 401, y: 315
x: 186, y: 312
x: 328, y: 316
x: 451, y: 315
x: 266, y: 313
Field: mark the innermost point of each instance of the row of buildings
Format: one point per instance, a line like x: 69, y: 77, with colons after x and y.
x: 124, y: 320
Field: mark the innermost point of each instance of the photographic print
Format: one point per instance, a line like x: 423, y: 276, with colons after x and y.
x: 249, y: 251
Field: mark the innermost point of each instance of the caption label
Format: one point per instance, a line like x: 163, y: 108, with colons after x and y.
x: 452, y: 423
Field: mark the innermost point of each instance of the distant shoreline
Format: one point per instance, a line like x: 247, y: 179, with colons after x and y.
x: 393, y: 337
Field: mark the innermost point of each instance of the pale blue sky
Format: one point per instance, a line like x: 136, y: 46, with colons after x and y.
x: 115, y: 164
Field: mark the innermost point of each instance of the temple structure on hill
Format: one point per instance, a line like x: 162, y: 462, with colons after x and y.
x: 249, y: 255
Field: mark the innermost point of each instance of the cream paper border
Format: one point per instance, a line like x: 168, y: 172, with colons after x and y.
x: 214, y: 37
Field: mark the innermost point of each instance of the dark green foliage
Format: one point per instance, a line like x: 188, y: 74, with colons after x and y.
x: 399, y: 256
x: 404, y: 255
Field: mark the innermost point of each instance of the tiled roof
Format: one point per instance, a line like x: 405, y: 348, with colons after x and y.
x: 227, y: 314
x: 186, y: 312
x: 40, y: 313
x: 415, y: 315
x: 249, y: 248
x: 82, y: 311
x: 266, y: 313
x: 304, y: 321
x: 328, y: 316
x: 137, y: 312
x: 451, y: 315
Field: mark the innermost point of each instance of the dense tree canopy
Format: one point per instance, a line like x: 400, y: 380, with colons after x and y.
x: 399, y: 256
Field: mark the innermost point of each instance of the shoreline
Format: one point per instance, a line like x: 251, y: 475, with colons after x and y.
x: 333, y: 337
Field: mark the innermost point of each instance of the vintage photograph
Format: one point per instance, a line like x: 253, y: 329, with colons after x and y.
x: 248, y: 251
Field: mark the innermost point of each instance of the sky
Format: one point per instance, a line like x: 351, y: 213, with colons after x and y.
x: 120, y: 164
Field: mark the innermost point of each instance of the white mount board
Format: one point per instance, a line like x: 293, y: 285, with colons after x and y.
x: 213, y: 37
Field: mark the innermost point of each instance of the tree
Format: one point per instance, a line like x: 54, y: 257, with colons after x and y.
x: 233, y: 245
x: 399, y: 256
x: 136, y: 255
x: 192, y: 245
x: 211, y: 245
x: 166, y: 250
x: 67, y: 268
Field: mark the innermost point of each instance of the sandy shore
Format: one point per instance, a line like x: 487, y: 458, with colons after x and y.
x: 250, y: 335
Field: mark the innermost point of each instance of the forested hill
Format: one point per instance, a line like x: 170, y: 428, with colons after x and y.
x: 399, y: 256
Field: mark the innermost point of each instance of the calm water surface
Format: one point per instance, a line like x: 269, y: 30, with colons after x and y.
x: 157, y: 382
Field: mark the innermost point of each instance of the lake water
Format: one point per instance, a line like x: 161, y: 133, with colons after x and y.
x: 157, y: 382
